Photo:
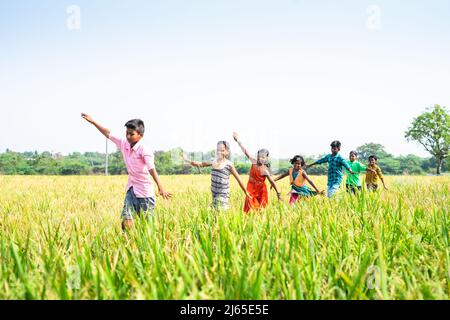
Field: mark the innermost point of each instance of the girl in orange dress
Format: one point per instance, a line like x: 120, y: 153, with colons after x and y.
x: 256, y: 186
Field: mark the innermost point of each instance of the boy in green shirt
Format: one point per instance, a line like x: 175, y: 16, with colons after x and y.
x: 353, y: 183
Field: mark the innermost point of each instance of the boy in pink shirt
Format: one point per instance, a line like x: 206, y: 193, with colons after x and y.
x: 140, y: 196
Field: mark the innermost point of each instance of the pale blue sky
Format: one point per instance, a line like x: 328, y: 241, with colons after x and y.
x: 289, y: 75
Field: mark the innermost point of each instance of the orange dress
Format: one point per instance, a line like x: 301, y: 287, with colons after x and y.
x: 256, y: 187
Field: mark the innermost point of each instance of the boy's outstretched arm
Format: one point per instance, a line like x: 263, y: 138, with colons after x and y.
x: 380, y: 175
x: 100, y: 128
x: 162, y: 192
x: 384, y: 185
x: 238, y: 179
x: 320, y: 161
x: 307, y: 166
x: 346, y: 166
x: 245, y: 151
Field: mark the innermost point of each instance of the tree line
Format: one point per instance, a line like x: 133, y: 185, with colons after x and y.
x: 169, y: 163
x: 431, y: 129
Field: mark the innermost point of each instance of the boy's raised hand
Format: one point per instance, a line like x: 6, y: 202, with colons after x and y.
x: 235, y: 136
x: 87, y: 117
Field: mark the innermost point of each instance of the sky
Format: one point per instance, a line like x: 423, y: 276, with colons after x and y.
x: 287, y: 75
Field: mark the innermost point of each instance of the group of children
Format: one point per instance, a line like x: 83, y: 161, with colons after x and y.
x: 140, y: 196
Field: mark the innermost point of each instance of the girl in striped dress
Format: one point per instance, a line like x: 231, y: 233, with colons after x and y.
x: 256, y: 186
x: 222, y: 167
x: 298, y: 179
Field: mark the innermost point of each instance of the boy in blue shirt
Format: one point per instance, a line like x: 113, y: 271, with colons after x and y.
x: 335, y: 165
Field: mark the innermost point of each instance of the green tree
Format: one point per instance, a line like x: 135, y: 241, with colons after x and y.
x: 317, y: 170
x: 411, y: 164
x: 243, y: 168
x: 73, y: 167
x: 116, y: 164
x: 14, y: 163
x: 45, y: 164
x: 390, y: 165
x: 163, y: 162
x: 369, y: 149
x: 432, y: 130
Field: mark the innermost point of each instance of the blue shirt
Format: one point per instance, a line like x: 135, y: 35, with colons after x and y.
x: 336, y: 163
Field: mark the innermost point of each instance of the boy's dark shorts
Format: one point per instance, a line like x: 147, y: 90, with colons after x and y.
x: 352, y: 189
x: 133, y: 205
x: 372, y: 187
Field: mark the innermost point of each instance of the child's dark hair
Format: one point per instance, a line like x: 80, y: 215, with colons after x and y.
x: 354, y: 153
x: 298, y: 158
x: 136, y: 125
x: 336, y: 143
x: 373, y: 157
x: 226, y: 144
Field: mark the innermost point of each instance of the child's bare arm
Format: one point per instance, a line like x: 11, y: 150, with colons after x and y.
x: 100, y: 128
x: 384, y: 185
x: 162, y: 192
x: 306, y: 166
x: 274, y: 185
x: 311, y: 183
x: 282, y: 176
x: 380, y: 175
x: 378, y: 171
x: 245, y: 151
x: 195, y: 163
x: 238, y: 179
x: 199, y: 164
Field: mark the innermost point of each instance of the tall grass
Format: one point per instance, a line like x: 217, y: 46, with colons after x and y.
x: 60, y: 238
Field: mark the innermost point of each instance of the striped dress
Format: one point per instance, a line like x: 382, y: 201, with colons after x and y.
x: 220, y: 184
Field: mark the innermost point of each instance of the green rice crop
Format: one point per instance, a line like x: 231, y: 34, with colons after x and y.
x: 60, y: 238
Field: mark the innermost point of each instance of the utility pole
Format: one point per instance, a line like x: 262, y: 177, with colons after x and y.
x: 106, y: 158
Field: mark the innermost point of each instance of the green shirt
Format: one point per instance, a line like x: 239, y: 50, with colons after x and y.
x: 353, y: 179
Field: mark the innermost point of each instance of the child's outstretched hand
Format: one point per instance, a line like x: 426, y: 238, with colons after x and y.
x: 322, y: 193
x: 248, y: 195
x: 235, y: 136
x: 87, y: 117
x: 164, y: 194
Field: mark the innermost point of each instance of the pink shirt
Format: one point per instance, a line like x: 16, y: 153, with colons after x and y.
x: 139, y: 161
